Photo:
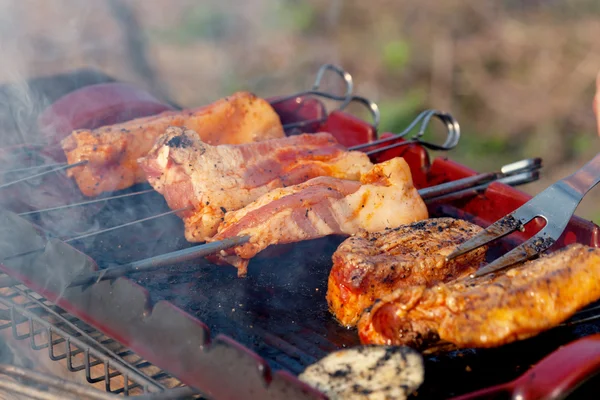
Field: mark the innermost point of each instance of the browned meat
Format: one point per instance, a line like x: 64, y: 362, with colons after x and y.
x: 384, y: 197
x: 368, y: 266
x: 219, y: 179
x: 491, y: 310
x: 112, y: 151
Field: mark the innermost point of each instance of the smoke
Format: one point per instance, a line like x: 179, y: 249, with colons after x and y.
x: 171, y: 48
x: 43, y: 46
x: 183, y: 51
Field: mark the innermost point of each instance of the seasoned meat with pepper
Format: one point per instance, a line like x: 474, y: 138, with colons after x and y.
x: 384, y: 198
x: 367, y: 373
x: 490, y: 310
x: 112, y: 151
x: 214, y: 180
x: 368, y: 266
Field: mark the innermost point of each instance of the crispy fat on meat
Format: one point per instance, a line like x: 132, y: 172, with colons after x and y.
x: 385, y: 197
x: 218, y: 179
x: 370, y: 265
x: 112, y: 151
x: 491, y: 310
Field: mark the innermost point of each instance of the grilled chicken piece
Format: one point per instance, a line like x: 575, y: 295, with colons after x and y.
x: 112, y: 151
x: 384, y: 198
x: 367, y: 373
x: 217, y: 179
x: 491, y: 310
x: 371, y: 265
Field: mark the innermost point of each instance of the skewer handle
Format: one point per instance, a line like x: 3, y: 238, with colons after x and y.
x: 513, y: 174
x: 454, y: 186
x: 152, y: 263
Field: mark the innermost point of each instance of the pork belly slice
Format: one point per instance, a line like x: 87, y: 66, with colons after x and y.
x: 112, y: 151
x: 370, y: 265
x: 384, y: 198
x: 491, y: 310
x: 214, y: 180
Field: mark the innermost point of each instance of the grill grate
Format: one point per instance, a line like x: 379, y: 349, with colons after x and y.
x: 28, y: 317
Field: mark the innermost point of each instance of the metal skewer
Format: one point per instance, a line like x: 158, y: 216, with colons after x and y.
x: 137, y: 221
x: 452, y: 138
x: 511, y: 180
x: 371, y: 106
x: 374, y: 110
x: 152, y: 263
x: 583, y: 316
x: 455, y: 187
x: 314, y: 91
x: 453, y: 129
x: 85, y: 203
x: 61, y: 168
x: 27, y: 169
x: 345, y: 100
x: 514, y: 174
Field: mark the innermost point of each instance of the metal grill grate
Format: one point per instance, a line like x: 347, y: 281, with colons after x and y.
x: 107, y: 365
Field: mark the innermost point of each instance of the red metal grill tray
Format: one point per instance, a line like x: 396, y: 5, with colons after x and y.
x: 281, y: 324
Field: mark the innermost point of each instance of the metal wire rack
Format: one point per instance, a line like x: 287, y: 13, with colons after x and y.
x: 78, y: 348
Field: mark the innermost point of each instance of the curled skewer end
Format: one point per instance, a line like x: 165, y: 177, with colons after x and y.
x: 452, y: 136
x: 315, y: 90
x: 371, y: 106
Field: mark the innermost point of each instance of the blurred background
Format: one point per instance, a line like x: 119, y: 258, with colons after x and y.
x: 517, y: 74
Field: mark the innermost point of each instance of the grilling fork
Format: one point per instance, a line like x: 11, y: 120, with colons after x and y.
x: 556, y: 205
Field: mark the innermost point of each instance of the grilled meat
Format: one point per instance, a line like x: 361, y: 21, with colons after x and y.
x: 384, y: 198
x: 371, y: 265
x: 367, y: 373
x: 218, y: 179
x: 491, y: 310
x: 112, y: 151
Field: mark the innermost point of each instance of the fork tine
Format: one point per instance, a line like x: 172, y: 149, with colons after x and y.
x: 516, y: 220
x: 498, y: 229
x: 535, y: 245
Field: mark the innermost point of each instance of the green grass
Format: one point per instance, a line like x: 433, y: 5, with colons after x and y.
x: 484, y: 153
x: 200, y: 22
x: 294, y: 15
x: 203, y: 22
x: 583, y: 144
x: 396, y: 54
x: 478, y: 151
x: 397, y: 114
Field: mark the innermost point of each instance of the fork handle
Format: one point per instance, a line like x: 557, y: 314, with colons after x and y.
x: 585, y: 178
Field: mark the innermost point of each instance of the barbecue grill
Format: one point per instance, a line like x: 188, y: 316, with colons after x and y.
x: 195, y: 329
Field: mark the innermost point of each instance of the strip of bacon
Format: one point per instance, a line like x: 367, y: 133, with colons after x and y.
x: 384, y: 198
x: 217, y: 179
x: 112, y: 151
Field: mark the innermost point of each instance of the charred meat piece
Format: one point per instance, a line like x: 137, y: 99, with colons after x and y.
x: 491, y: 310
x: 112, y: 151
x: 384, y: 198
x: 367, y: 373
x: 371, y: 265
x: 217, y: 179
